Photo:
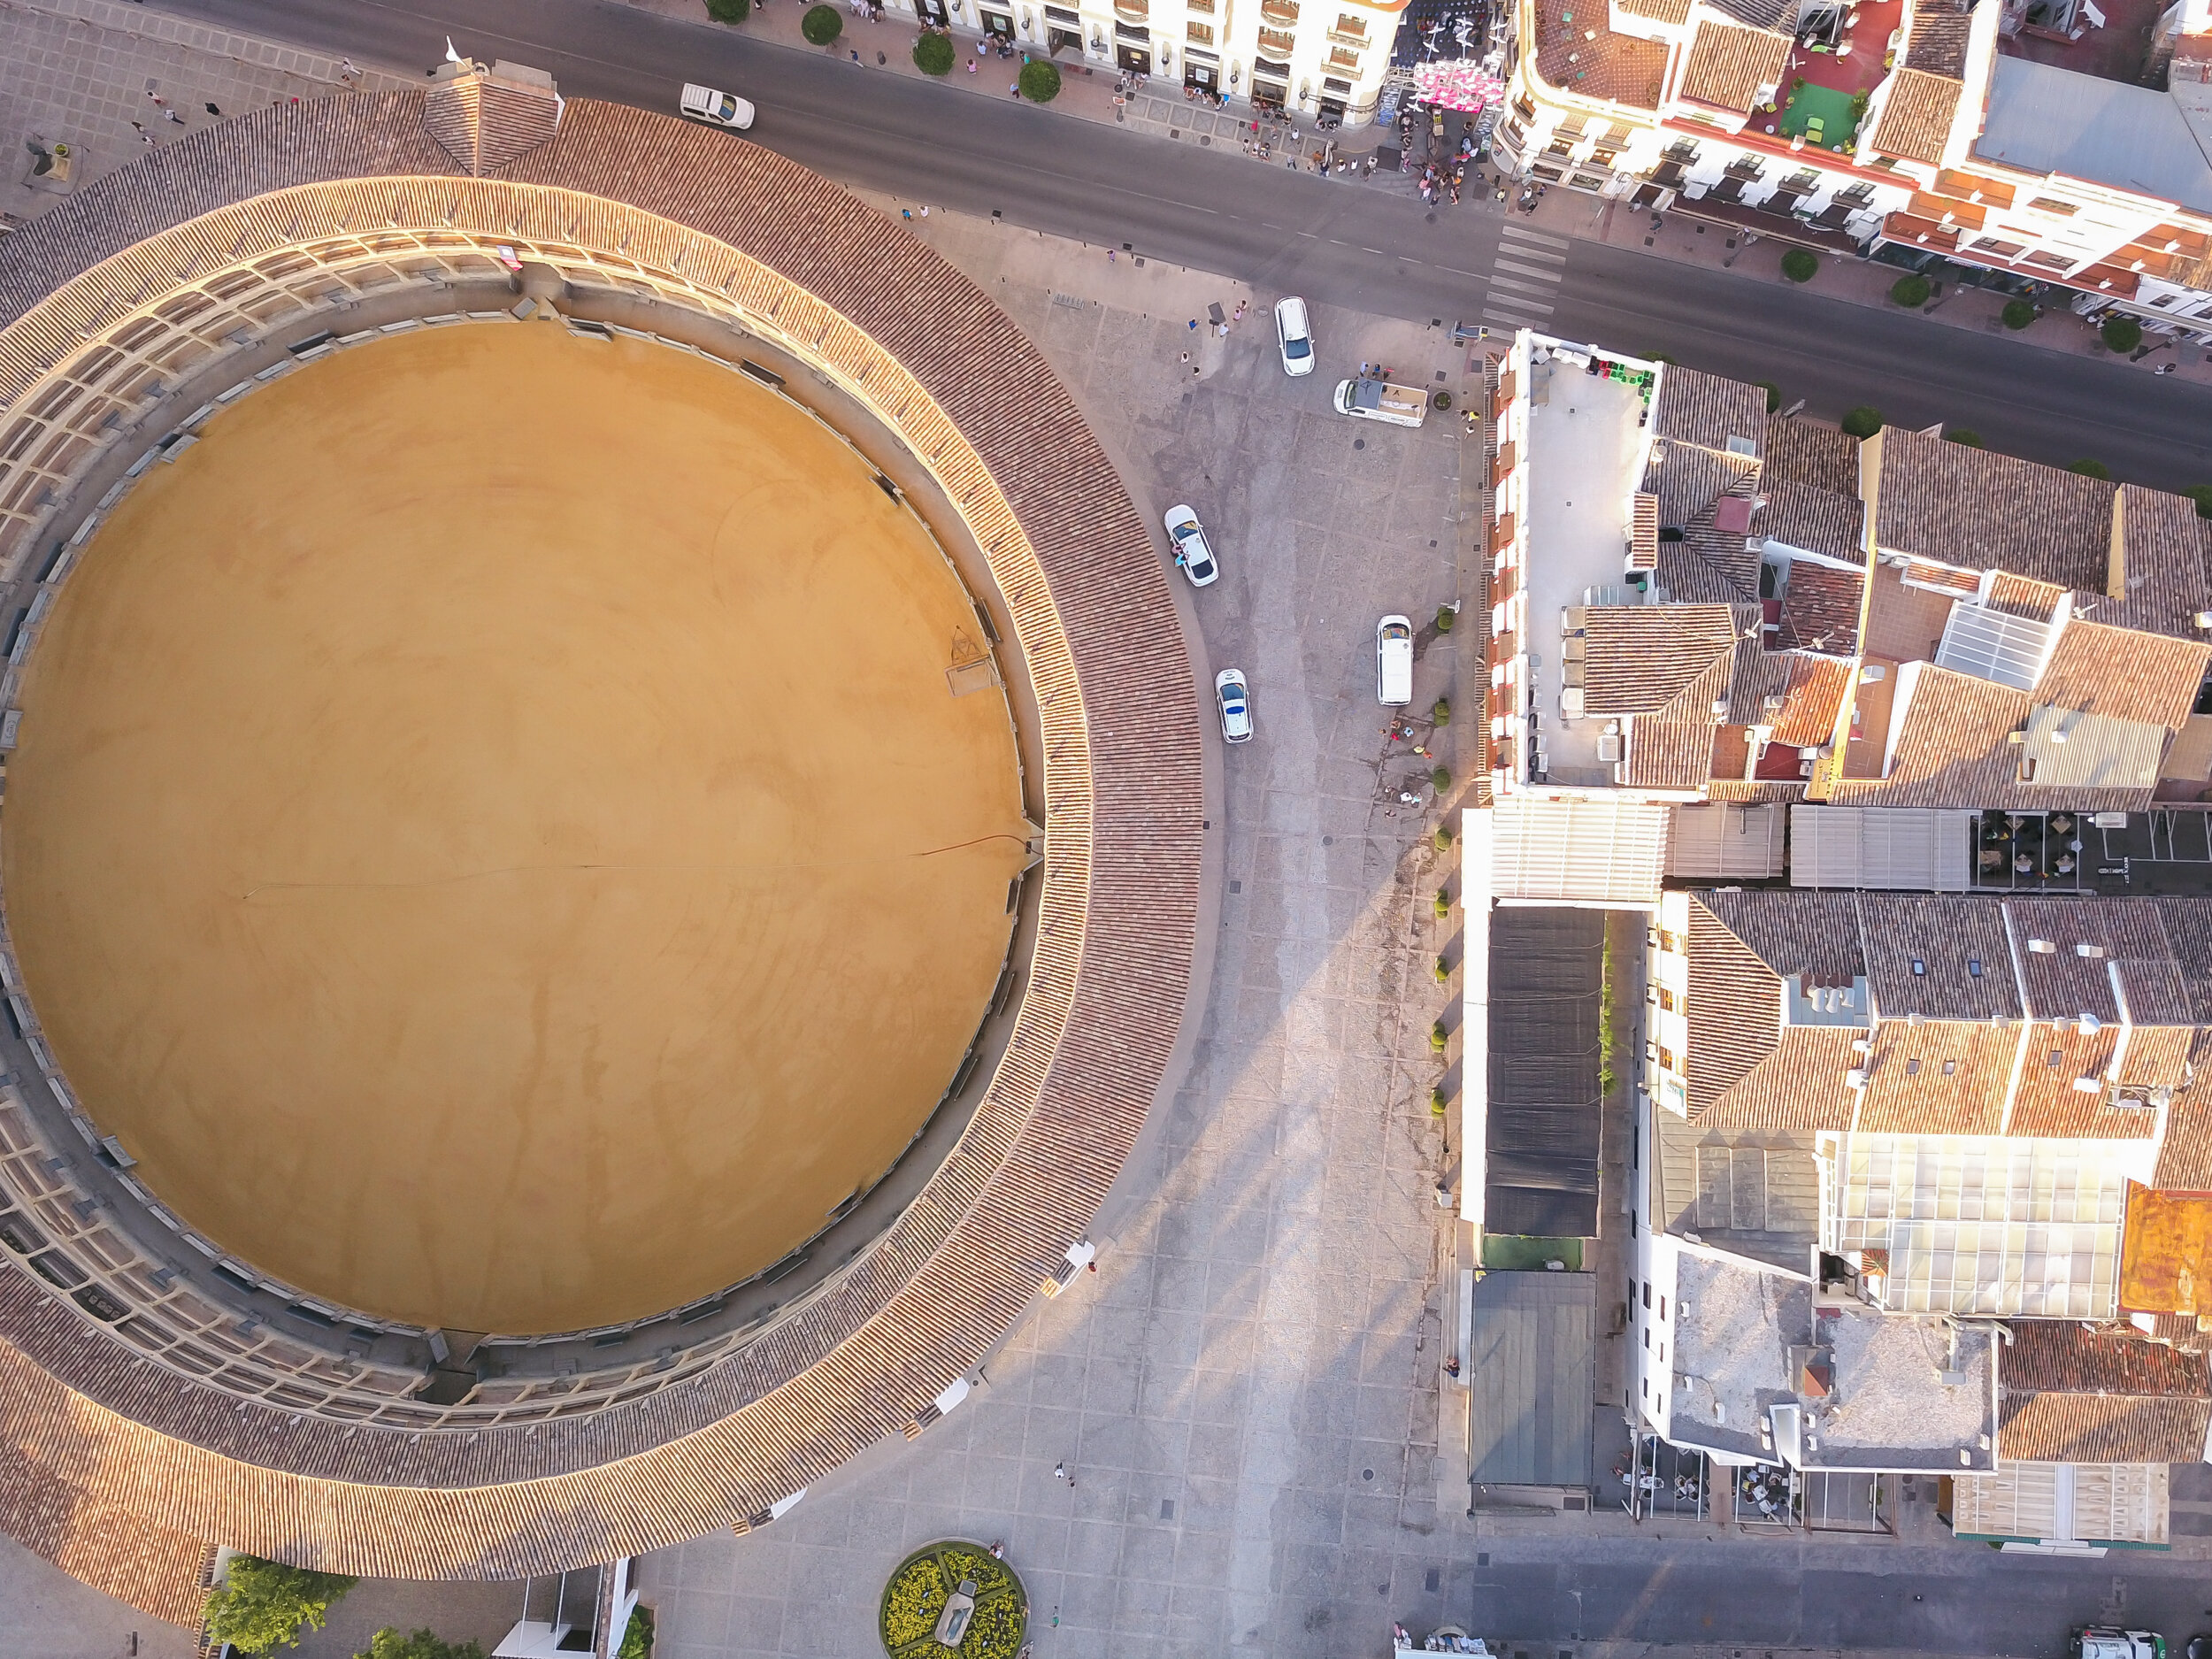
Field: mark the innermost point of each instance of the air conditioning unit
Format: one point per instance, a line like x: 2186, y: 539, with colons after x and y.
x: 1609, y: 748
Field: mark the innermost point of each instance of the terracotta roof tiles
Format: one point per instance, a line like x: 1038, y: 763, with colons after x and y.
x: 1820, y: 609
x: 1690, y: 406
x: 1799, y: 1086
x: 2123, y: 673
x: 1939, y: 957
x: 1671, y: 748
x: 1636, y: 658
x: 2128, y: 936
x: 1734, y: 1008
x: 1816, y: 520
x: 1946, y: 1077
x: 1937, y: 39
x: 1981, y: 510
x: 2058, y: 1428
x: 2162, y: 560
x: 1732, y: 69
x: 1915, y: 120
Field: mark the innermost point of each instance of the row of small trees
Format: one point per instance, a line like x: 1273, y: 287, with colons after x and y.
x: 264, y: 1605
x: 933, y: 52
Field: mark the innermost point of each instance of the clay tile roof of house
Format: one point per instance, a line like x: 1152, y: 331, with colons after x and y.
x: 1732, y: 68
x: 2124, y: 674
x: 2185, y: 1161
x: 1709, y: 566
x: 1706, y: 410
x: 1688, y: 477
x: 1809, y: 688
x: 1671, y: 747
x: 1916, y: 117
x: 1816, y: 520
x: 1733, y: 1008
x: 2091, y: 939
x: 2025, y: 596
x: 1798, y: 452
x: 2071, y: 1395
x: 1954, y: 748
x: 2166, y: 1252
x: 1941, y: 958
x: 1820, y: 609
x: 1813, y: 934
x: 1673, y: 11
x: 1800, y: 1084
x: 1936, y: 39
x: 2164, y: 544
x: 1944, y: 1078
x: 1977, y: 509
x: 2188, y: 924
x: 1594, y: 62
x: 2061, y: 1091
x: 1636, y: 658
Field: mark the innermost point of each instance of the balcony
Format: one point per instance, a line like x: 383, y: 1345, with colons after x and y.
x: 1132, y: 10
x: 1282, y: 12
x: 1276, y: 43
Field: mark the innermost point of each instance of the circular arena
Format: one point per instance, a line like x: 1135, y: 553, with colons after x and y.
x: 601, y: 841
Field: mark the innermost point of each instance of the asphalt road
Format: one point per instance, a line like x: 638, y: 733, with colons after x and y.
x: 1354, y: 245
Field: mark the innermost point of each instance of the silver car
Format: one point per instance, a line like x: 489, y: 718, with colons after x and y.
x: 1293, y: 334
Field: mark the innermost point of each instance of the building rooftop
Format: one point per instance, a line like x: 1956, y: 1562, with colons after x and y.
x: 2046, y: 119
x: 2075, y: 1394
x: 2166, y: 1253
x: 1765, y: 1368
x: 1753, y: 1192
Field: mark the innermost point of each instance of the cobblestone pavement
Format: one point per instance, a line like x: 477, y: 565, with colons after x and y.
x: 1245, y: 1393
x: 87, y: 73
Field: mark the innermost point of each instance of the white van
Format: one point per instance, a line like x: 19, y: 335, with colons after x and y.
x: 1393, y: 661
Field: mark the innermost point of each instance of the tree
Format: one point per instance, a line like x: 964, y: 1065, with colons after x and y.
x: 728, y: 11
x: 1773, y: 392
x: 1910, y: 291
x: 389, y: 1644
x: 1040, y: 80
x: 2088, y: 468
x: 2121, y: 334
x: 265, y: 1604
x: 2200, y: 494
x: 2019, y: 313
x: 821, y: 25
x: 1959, y: 434
x: 1799, y: 264
x: 1863, y: 422
x: 934, y: 54
x: 637, y: 1639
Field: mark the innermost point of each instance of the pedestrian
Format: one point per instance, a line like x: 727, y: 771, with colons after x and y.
x: 146, y: 139
x: 139, y: 125
x: 173, y: 116
x: 1109, y: 256
x: 212, y: 111
x: 998, y: 1550
x: 1221, y: 331
x: 1016, y: 90
x: 906, y: 212
x: 925, y: 212
x: 1060, y: 1472
x: 156, y: 96
x: 972, y: 65
x: 348, y: 70
x: 1187, y: 356
x: 1194, y: 323
x: 2163, y: 368
x: 856, y: 55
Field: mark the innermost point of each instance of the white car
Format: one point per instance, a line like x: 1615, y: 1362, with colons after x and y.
x: 1236, y: 706
x: 1393, y: 661
x: 1295, y: 334
x: 720, y: 108
x: 1188, y: 538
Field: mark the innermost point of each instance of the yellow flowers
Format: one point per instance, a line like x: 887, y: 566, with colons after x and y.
x: 925, y: 1581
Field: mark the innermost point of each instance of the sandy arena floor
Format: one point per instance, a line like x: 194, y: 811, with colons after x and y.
x: 492, y: 834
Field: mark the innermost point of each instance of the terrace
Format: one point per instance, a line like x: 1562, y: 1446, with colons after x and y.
x: 1843, y: 53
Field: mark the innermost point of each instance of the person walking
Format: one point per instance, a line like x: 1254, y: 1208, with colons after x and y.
x: 1060, y: 1471
x: 173, y: 116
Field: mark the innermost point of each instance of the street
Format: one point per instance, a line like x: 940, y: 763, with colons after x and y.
x: 1360, y: 246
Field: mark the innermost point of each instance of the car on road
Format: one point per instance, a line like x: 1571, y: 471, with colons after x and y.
x: 2104, y: 1641
x: 1236, y: 706
x: 1393, y: 661
x: 1295, y: 334
x: 718, y: 109
x: 1188, y: 538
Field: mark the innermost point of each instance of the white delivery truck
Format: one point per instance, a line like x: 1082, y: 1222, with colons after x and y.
x: 1380, y: 400
x: 1393, y: 661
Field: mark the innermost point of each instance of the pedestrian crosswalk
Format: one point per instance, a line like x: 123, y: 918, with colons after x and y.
x: 1525, y: 276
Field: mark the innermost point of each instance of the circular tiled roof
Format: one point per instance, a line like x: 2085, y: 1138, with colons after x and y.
x: 96, y: 1438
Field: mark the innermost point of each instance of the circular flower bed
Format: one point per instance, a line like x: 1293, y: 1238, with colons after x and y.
x: 927, y: 1579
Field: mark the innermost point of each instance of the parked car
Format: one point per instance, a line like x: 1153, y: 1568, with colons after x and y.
x: 2103, y: 1642
x: 1368, y: 398
x: 1236, y: 706
x: 1188, y: 537
x: 1393, y: 661
x: 719, y: 109
x: 1295, y: 334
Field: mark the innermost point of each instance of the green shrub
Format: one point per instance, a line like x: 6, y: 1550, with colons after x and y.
x: 2019, y: 313
x: 637, y: 1639
x: 1446, y: 615
x: 1442, y: 715
x: 1438, y: 1037
x: 1437, y: 1102
x: 2121, y: 334
x: 1443, y: 902
x: 1444, y: 836
x: 389, y: 1644
x: 1441, y: 778
x: 821, y: 25
x: 1443, y: 970
x: 1800, y: 264
x: 934, y: 54
x: 1040, y: 80
x: 2200, y: 494
x: 2088, y: 468
x: 1863, y: 422
x: 728, y: 11
x: 1773, y: 392
x: 1442, y: 399
x: 265, y: 1604
x: 1910, y: 291
x: 1961, y: 434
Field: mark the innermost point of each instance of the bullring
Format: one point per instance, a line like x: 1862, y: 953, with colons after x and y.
x: 158, y: 1394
